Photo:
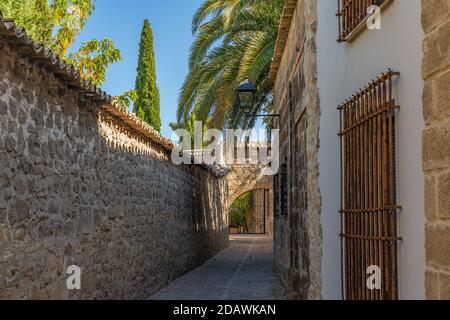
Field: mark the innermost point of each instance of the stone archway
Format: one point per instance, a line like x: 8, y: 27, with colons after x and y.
x: 245, y: 178
x: 242, y: 179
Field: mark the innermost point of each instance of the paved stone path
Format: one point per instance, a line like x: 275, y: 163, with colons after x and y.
x: 243, y: 271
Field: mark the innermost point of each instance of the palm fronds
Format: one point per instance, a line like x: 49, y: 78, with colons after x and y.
x: 234, y: 39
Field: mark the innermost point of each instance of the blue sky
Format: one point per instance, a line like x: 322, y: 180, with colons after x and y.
x: 122, y: 22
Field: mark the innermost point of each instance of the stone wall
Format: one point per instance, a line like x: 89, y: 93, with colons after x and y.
x: 436, y: 145
x: 78, y: 186
x: 298, y: 240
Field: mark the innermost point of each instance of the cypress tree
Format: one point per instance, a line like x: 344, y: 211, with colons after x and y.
x: 147, y: 105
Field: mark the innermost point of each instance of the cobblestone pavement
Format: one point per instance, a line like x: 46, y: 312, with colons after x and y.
x: 243, y: 271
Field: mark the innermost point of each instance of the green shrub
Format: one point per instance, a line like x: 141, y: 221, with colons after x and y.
x: 240, y: 210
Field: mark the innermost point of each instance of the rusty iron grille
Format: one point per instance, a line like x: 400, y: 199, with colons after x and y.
x: 276, y: 193
x: 351, y: 13
x: 297, y: 217
x: 282, y: 187
x: 369, y: 209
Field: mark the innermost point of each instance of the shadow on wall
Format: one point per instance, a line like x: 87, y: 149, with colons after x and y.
x: 79, y: 187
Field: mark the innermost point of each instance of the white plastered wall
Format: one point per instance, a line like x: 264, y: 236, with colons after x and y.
x: 342, y: 69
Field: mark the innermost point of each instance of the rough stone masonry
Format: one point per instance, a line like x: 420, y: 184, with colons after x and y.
x: 79, y: 186
x: 436, y: 141
x: 297, y: 227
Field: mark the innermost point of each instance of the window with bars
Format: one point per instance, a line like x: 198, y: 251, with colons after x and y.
x: 300, y: 206
x: 280, y: 192
x: 283, y: 195
x: 276, y: 201
x: 352, y: 16
x: 299, y: 202
x: 369, y: 207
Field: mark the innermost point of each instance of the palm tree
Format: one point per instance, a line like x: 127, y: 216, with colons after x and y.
x: 234, y: 40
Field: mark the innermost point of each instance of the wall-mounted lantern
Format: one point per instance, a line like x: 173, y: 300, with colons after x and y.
x: 246, y: 96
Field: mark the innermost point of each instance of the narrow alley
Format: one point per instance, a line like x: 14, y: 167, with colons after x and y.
x: 244, y: 271
x: 308, y: 158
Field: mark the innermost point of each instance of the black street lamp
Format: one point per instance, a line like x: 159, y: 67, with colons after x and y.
x: 246, y: 93
x: 246, y: 96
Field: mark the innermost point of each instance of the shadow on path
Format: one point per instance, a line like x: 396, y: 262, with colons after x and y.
x: 244, y: 271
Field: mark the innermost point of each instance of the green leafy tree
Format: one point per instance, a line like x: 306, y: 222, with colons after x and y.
x: 127, y: 98
x: 70, y: 17
x: 234, y: 40
x: 189, y: 125
x: 93, y: 58
x: 147, y: 105
x: 241, y: 210
x: 56, y: 23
